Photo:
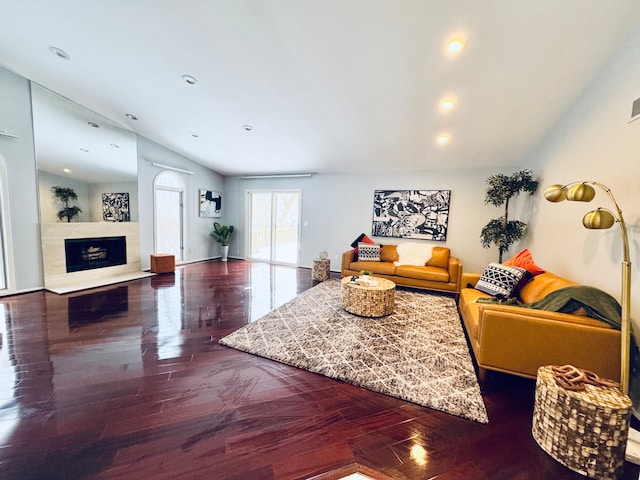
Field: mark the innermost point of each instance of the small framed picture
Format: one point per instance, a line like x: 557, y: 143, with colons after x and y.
x: 210, y: 204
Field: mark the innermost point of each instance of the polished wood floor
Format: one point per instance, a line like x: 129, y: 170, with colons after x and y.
x: 129, y: 382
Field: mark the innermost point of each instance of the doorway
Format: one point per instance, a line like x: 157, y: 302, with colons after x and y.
x: 273, y: 225
x: 168, y: 214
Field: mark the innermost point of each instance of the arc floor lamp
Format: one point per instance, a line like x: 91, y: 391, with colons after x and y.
x: 602, y: 218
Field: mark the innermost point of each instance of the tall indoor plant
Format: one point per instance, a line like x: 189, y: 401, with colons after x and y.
x: 222, y: 234
x: 65, y: 195
x: 503, y: 232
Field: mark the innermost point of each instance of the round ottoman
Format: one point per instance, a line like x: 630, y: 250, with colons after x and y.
x: 584, y: 430
x: 368, y: 300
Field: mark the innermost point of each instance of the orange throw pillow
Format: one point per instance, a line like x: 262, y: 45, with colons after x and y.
x: 523, y: 259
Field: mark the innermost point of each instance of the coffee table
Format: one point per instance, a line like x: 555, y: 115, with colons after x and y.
x: 368, y: 300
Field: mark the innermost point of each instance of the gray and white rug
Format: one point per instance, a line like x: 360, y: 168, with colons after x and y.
x: 418, y: 353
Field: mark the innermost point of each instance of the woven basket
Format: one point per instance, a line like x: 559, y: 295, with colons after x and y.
x: 586, y: 431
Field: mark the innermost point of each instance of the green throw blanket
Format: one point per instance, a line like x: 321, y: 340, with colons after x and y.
x: 597, y: 304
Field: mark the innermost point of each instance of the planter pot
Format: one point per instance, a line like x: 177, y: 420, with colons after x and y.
x: 225, y: 252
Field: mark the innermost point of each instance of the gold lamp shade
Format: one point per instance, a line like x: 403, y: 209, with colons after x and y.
x: 581, y: 192
x: 555, y: 193
x: 599, y: 219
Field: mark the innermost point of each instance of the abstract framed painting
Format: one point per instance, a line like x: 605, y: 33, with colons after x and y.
x: 210, y: 204
x: 416, y: 214
x: 115, y: 207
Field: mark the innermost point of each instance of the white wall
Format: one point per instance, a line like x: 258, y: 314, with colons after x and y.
x: 338, y: 207
x: 595, y: 142
x: 198, y: 244
x: 21, y: 197
x: 50, y: 205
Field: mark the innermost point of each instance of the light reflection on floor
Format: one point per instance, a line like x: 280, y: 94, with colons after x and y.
x: 270, y: 288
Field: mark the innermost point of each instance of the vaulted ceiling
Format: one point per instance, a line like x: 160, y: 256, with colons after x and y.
x: 322, y: 85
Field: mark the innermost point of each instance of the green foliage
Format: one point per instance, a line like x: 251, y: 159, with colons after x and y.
x: 503, y: 232
x: 500, y: 188
x: 503, y: 236
x: 222, y: 233
x: 66, y: 194
x: 69, y: 212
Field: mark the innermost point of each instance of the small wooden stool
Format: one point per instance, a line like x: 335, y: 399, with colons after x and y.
x: 163, y: 262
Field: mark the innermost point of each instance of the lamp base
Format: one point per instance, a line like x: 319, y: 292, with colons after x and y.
x: 633, y: 447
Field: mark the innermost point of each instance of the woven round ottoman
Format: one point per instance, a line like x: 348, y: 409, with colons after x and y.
x: 369, y: 300
x: 584, y: 430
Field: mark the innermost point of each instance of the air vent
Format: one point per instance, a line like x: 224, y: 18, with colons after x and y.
x: 635, y: 109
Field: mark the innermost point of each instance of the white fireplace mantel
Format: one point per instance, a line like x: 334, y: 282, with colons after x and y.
x: 56, y: 277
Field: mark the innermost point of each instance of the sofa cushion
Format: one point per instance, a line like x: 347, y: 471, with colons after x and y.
x: 439, y: 257
x: 361, y: 238
x: 434, y: 274
x: 388, y: 253
x: 381, y: 268
x: 523, y: 259
x: 368, y: 253
x: 500, y: 280
x: 542, y: 285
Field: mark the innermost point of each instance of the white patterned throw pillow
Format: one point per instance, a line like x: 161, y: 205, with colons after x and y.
x: 368, y: 252
x: 499, y: 280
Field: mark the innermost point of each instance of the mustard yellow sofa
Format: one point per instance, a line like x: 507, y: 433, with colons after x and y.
x: 441, y: 273
x: 517, y: 340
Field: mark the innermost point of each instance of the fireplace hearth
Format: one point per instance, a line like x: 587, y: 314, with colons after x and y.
x: 89, y: 253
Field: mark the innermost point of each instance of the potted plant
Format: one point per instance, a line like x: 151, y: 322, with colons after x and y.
x: 503, y: 232
x: 222, y: 235
x: 65, y: 194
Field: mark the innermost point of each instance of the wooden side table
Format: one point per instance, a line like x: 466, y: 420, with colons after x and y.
x: 586, y: 430
x: 369, y: 301
x: 320, y: 270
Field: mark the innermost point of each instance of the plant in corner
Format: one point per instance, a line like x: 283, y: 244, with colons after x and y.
x: 222, y: 235
x: 66, y: 194
x: 503, y: 232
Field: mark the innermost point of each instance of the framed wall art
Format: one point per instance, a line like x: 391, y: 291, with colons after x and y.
x: 115, y: 207
x: 417, y: 214
x: 210, y: 204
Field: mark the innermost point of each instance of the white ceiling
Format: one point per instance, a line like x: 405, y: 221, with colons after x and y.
x: 328, y: 85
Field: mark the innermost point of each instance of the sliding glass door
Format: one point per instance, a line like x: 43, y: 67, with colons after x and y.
x: 273, y: 225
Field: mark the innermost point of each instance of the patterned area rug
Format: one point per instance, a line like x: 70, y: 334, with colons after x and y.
x: 418, y: 353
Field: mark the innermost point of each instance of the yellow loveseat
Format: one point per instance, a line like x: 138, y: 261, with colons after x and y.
x: 518, y: 340
x: 441, y: 273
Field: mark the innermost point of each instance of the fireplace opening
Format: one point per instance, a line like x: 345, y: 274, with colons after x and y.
x: 89, y: 253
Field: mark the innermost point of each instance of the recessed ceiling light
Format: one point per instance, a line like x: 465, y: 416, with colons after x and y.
x: 447, y: 104
x: 456, y: 45
x: 247, y: 128
x: 93, y: 124
x: 190, y: 80
x: 58, y: 52
x: 131, y: 116
x: 194, y: 134
x: 66, y: 170
x: 443, y: 138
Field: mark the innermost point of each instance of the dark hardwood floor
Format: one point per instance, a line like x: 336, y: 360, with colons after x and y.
x: 129, y: 382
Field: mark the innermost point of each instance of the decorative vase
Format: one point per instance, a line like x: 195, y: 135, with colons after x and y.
x: 225, y: 252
